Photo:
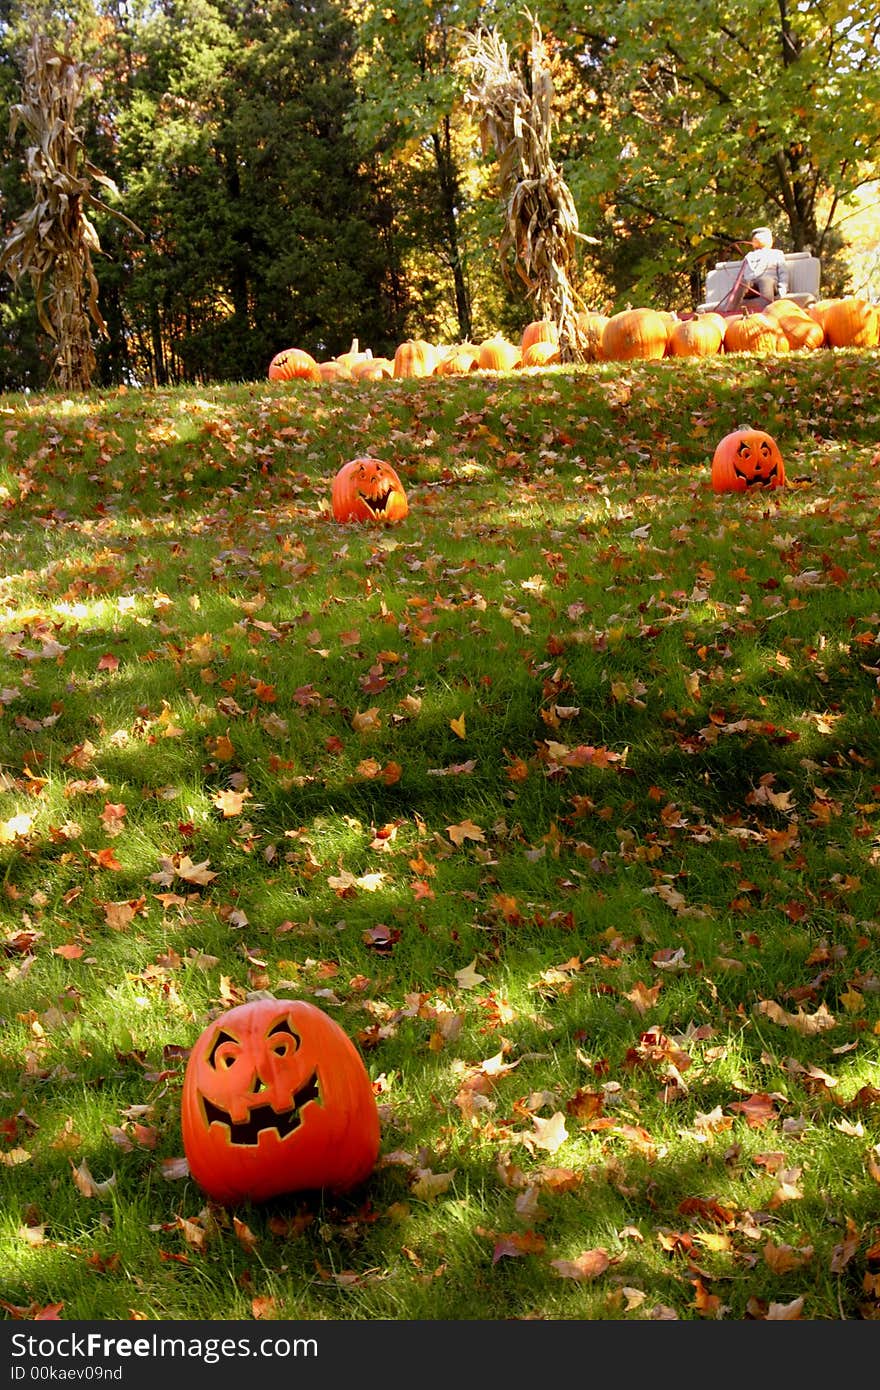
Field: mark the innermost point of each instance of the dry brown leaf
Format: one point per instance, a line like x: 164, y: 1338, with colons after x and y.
x: 586, y: 1266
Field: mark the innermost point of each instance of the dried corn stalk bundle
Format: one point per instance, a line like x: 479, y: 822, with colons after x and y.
x: 541, y: 223
x: 52, y: 243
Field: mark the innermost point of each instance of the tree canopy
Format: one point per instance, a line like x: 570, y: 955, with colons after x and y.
x: 309, y: 174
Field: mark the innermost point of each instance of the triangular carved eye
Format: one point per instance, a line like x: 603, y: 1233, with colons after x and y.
x: 280, y: 1037
x: 222, y: 1040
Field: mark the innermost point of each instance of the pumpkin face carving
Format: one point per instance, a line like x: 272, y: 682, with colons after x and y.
x: 366, y: 489
x: 746, y: 459
x: 276, y: 1099
x: 293, y: 364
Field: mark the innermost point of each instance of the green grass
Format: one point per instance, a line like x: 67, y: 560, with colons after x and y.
x: 657, y: 709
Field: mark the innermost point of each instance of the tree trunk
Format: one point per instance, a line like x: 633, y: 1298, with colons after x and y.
x: 450, y: 198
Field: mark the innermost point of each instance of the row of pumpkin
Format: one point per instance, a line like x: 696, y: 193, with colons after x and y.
x: 631, y: 334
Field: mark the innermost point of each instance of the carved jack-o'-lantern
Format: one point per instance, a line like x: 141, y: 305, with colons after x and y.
x: 366, y: 489
x: 294, y: 364
x: 277, y: 1099
x: 746, y: 459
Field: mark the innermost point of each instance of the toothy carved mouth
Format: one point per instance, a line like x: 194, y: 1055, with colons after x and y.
x: 262, y: 1117
x: 377, y: 503
x: 754, y: 481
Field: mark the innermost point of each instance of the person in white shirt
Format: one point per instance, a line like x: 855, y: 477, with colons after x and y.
x: 763, y: 275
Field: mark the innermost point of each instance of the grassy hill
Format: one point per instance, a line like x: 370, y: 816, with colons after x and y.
x: 562, y: 798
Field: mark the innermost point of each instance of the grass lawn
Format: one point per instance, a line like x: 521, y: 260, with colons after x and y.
x: 562, y: 798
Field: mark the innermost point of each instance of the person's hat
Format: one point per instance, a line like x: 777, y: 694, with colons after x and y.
x: 763, y: 232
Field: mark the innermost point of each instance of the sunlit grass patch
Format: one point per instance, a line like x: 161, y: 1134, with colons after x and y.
x: 561, y: 798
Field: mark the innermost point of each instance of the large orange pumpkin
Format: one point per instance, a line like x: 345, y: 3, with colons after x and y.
x: 754, y: 333
x: 851, y: 322
x: 635, y: 333
x: 277, y: 1099
x: 539, y: 331
x: 459, y: 360
x: 367, y: 489
x: 293, y: 364
x: 373, y: 369
x: 334, y: 370
x: 414, y: 358
x: 541, y: 353
x: 698, y: 337
x: 498, y: 354
x: 801, y: 330
x: 745, y: 459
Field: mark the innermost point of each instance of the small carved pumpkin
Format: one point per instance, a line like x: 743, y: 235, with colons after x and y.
x: 277, y: 1099
x: 294, y: 363
x: 745, y: 459
x: 366, y: 489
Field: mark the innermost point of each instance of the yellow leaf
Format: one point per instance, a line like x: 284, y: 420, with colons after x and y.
x: 366, y: 721
x: 852, y: 1001
x: 457, y: 725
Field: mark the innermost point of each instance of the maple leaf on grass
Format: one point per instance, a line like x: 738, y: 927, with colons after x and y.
x: 466, y: 830
x: 182, y: 867
x: 515, y: 1245
x: 230, y: 803
x: 547, y: 1134
x: 428, y: 1185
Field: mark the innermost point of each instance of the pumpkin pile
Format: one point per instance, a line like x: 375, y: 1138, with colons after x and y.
x: 631, y: 334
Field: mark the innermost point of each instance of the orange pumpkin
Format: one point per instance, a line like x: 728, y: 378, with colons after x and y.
x: 745, y: 459
x: 415, y: 358
x: 540, y: 331
x: 354, y: 355
x: 458, y: 361
x: 802, y: 331
x: 851, y: 322
x: 334, y: 370
x: 698, y: 337
x: 277, y: 1099
x: 754, y: 333
x: 366, y: 489
x: 373, y: 369
x: 498, y: 355
x: 293, y: 364
x: 540, y: 353
x: 635, y: 333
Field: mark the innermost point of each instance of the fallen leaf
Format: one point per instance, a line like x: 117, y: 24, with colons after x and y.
x: 586, y: 1266
x: 467, y: 830
x: 467, y: 977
